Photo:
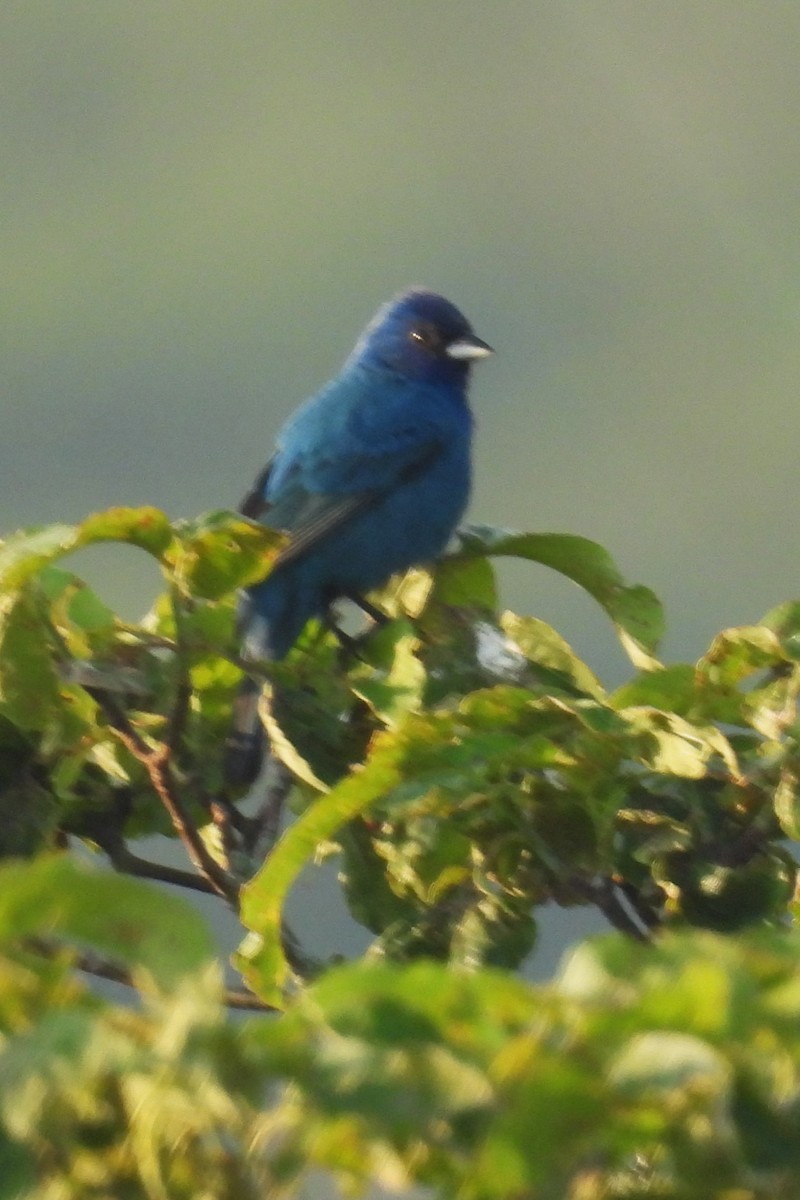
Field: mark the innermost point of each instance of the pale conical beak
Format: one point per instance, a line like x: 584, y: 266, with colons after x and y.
x: 469, y: 346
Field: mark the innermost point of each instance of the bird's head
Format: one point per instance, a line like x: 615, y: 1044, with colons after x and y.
x: 421, y: 335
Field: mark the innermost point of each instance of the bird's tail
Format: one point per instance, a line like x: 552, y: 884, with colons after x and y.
x: 245, y: 743
x: 270, y: 619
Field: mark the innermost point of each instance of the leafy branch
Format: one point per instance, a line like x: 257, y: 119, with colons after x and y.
x: 157, y: 762
x: 467, y: 769
x: 466, y: 764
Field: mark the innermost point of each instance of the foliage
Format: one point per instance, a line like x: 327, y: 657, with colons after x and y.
x: 468, y: 768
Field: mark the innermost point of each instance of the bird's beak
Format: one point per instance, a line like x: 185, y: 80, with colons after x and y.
x: 469, y: 347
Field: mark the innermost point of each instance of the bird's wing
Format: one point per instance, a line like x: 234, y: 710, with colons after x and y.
x: 307, y: 516
x: 316, y: 516
x: 310, y: 516
x: 255, y: 503
x: 340, y: 454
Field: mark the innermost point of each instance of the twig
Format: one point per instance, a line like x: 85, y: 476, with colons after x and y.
x: 127, y: 863
x: 176, y: 726
x: 156, y: 761
x: 246, y: 1002
x: 95, y: 964
x: 229, y: 838
x: 603, y: 894
x: 302, y: 964
x: 374, y: 614
x: 644, y: 911
x: 609, y: 904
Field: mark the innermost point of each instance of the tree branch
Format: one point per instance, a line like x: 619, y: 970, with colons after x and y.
x: 178, y: 717
x: 602, y: 893
x: 156, y: 761
x: 100, y: 967
x: 644, y: 910
x: 127, y: 863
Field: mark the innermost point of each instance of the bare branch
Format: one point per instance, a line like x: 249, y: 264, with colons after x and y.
x: 178, y: 717
x: 646, y: 913
x: 176, y: 726
x: 602, y: 893
x: 100, y: 967
x: 302, y: 964
x: 156, y: 761
x: 229, y: 839
x: 127, y: 863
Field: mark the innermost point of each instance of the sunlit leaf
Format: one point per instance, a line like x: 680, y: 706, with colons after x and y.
x: 146, y: 527
x: 787, y: 804
x: 393, y: 681
x: 260, y: 958
x: 220, y: 552
x: 671, y: 688
x: 737, y: 653
x: 543, y: 646
x: 784, y: 621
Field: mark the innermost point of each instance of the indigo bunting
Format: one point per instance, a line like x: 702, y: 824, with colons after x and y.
x: 370, y: 477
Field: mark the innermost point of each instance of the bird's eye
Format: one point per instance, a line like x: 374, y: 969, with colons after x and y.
x: 427, y: 336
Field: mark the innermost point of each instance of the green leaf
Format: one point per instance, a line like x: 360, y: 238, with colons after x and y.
x: 393, y: 680
x: 671, y: 688
x: 134, y: 923
x: 544, y: 647
x: 145, y: 527
x: 667, y: 1061
x: 725, y: 898
x: 28, y: 815
x: 260, y: 957
x: 634, y: 609
x: 395, y: 1006
x: 653, y: 833
x: 784, y: 622
x: 281, y: 745
x: 408, y: 594
x: 787, y: 804
x: 86, y: 610
x: 25, y: 553
x: 220, y: 552
x: 737, y: 653
x: 84, y: 623
x: 467, y: 583
x: 680, y: 747
x: 29, y: 689
x: 17, y: 1169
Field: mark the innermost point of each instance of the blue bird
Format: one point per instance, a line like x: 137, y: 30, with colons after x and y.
x: 370, y: 477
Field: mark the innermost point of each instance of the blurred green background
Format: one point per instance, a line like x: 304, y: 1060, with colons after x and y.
x: 204, y: 202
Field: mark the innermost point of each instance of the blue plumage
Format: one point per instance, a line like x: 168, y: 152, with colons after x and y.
x: 372, y: 474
